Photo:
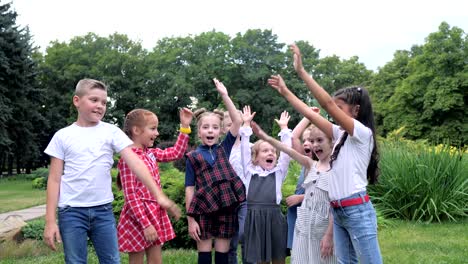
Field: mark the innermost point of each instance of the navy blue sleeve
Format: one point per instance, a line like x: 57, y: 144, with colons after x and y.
x: 189, y: 174
x: 228, y: 142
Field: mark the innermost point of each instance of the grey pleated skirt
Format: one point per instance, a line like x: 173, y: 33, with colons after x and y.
x: 265, y: 233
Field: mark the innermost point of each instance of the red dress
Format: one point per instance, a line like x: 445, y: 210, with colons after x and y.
x: 141, y: 208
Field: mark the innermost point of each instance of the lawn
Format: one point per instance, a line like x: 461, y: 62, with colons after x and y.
x: 403, y: 242
x: 19, y: 194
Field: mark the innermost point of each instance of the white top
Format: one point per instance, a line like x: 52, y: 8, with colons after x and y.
x: 87, y: 153
x: 350, y: 167
x: 281, y: 168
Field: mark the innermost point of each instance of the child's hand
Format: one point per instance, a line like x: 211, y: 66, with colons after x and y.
x: 258, y: 131
x: 283, y: 121
x: 297, y: 58
x: 220, y: 87
x: 174, y: 211
x: 294, y: 199
x: 277, y: 82
x: 185, y: 116
x: 326, y: 246
x: 315, y: 109
x: 52, y: 234
x: 194, y: 229
x: 247, y: 115
x: 150, y: 233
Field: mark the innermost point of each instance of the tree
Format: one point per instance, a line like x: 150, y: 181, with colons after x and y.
x: 20, y: 96
x: 431, y: 101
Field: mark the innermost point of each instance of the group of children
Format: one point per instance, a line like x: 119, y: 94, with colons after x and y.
x: 232, y: 187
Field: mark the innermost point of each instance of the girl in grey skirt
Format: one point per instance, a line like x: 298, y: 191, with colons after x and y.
x: 265, y: 228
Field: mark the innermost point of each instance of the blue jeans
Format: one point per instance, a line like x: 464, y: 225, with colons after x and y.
x: 98, y: 223
x: 241, y: 214
x: 355, y: 233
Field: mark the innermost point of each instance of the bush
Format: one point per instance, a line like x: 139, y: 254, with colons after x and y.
x: 39, y: 178
x: 34, y: 230
x: 39, y: 183
x: 421, y: 183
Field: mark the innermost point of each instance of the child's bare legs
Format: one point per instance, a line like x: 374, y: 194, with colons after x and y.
x: 221, y: 248
x: 136, y: 257
x: 154, y: 255
x: 222, y: 244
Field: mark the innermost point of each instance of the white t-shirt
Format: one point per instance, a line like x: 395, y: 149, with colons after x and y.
x: 87, y: 153
x: 350, y: 167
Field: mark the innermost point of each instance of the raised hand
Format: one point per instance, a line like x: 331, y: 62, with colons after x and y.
x: 297, y: 58
x: 220, y: 87
x: 185, y: 116
x: 247, y: 115
x: 277, y: 82
x: 284, y: 119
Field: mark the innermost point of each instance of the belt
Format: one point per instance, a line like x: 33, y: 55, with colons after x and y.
x: 350, y: 202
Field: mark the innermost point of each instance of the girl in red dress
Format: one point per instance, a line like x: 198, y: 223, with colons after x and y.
x: 144, y: 225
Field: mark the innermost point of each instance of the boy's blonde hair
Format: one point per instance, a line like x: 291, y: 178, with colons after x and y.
x: 84, y: 85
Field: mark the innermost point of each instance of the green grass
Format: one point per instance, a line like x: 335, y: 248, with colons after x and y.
x: 19, y: 194
x: 403, y: 242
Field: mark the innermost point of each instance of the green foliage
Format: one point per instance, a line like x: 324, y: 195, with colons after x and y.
x: 421, y: 183
x: 34, y: 229
x: 425, y: 89
x: 39, y: 183
x: 21, y: 122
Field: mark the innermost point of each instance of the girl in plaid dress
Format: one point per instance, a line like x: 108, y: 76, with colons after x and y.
x: 144, y: 225
x: 213, y: 191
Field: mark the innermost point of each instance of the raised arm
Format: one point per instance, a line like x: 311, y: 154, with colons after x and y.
x: 235, y: 117
x: 277, y: 82
x: 303, y: 160
x: 324, y: 99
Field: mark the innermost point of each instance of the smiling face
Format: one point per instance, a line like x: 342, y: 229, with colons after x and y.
x: 91, y: 106
x: 209, y: 129
x: 144, y: 136
x: 321, y: 145
x: 264, y: 155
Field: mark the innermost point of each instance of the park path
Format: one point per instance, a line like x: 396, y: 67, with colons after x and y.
x: 26, y: 214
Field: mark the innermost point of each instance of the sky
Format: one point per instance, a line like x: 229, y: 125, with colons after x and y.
x: 370, y: 29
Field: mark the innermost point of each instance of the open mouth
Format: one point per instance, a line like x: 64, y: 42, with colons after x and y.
x: 307, y: 151
x: 269, y: 161
x: 210, y: 138
x: 318, y: 151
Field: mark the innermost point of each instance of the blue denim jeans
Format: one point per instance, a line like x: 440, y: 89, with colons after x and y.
x: 236, y: 238
x: 76, y: 224
x: 355, y: 233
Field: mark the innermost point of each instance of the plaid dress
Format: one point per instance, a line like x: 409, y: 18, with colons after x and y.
x: 219, y: 191
x: 141, y: 209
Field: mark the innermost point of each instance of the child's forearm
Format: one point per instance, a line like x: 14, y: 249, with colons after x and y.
x: 323, y: 98
x: 141, y: 171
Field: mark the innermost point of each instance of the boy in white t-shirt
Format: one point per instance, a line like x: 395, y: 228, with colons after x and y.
x: 80, y: 182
